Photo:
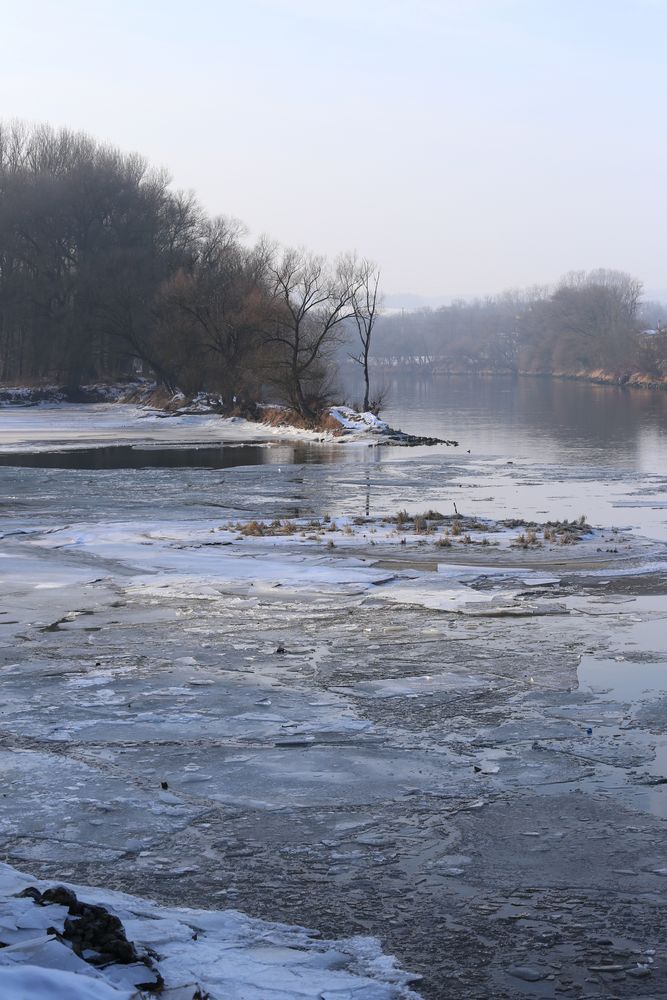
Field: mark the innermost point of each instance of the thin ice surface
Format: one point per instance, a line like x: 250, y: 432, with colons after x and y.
x: 196, y: 714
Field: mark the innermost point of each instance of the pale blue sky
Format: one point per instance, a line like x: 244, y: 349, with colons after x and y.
x: 466, y: 145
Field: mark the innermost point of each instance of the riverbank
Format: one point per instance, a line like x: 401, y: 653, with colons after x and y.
x: 47, y: 417
x: 638, y: 380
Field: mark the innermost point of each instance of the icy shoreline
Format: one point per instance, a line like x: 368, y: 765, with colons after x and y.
x: 186, y: 953
x: 54, y: 424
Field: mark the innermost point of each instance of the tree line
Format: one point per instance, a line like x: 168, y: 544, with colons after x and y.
x: 590, y: 321
x: 105, y: 270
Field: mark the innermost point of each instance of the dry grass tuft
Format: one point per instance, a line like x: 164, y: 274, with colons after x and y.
x: 253, y: 528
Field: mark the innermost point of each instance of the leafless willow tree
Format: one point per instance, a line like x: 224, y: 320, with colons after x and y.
x: 311, y: 302
x: 364, y: 277
x: 213, y: 314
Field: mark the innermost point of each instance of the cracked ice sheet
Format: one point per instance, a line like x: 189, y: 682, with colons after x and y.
x: 96, y: 815
x: 180, y: 702
x: 427, y: 591
x: 317, y: 775
x: 223, y: 953
x: 203, y: 571
x: 419, y: 686
x: 39, y: 590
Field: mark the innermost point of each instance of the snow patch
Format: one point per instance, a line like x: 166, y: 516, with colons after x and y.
x: 221, y: 953
x: 351, y: 420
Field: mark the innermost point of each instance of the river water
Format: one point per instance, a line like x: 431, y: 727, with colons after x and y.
x: 538, y: 419
x: 460, y: 749
x: 574, y: 447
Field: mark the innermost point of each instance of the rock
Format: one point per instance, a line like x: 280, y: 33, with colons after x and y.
x: 30, y: 892
x: 95, y: 929
x: 59, y: 894
x: 88, y: 927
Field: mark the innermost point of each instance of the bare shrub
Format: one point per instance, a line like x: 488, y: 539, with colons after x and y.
x: 253, y: 528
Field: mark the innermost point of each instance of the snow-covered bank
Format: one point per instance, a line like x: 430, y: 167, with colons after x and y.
x: 57, y: 425
x: 182, y: 954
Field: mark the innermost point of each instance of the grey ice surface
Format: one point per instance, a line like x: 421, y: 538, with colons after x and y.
x: 486, y: 793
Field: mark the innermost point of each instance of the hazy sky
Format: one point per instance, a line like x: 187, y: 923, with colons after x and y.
x: 466, y: 145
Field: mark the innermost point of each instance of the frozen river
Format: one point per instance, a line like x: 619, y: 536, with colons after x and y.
x: 242, y: 682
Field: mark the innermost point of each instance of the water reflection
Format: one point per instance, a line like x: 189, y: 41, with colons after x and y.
x: 538, y: 419
x: 175, y: 457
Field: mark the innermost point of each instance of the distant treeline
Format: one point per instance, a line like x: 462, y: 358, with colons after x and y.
x: 106, y: 271
x: 590, y: 322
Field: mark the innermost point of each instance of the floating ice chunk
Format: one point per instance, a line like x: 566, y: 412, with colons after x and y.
x: 462, y: 571
x: 395, y: 687
x: 47, y: 952
x: 30, y: 981
x: 431, y: 593
x: 439, y: 595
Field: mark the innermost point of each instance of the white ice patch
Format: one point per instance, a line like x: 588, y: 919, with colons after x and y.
x: 351, y: 420
x: 221, y: 953
x: 31, y: 982
x: 413, y: 687
x: 85, y: 425
x: 465, y: 573
x: 200, y: 571
x: 445, y: 595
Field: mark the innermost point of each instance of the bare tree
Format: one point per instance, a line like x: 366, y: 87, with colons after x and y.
x: 311, y: 303
x: 366, y: 306
x: 598, y: 309
x: 214, y: 313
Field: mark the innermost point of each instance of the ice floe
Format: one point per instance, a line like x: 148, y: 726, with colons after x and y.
x: 214, y: 953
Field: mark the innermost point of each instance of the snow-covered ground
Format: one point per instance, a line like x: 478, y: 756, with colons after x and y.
x: 48, y: 426
x: 353, y: 421
x: 63, y: 425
